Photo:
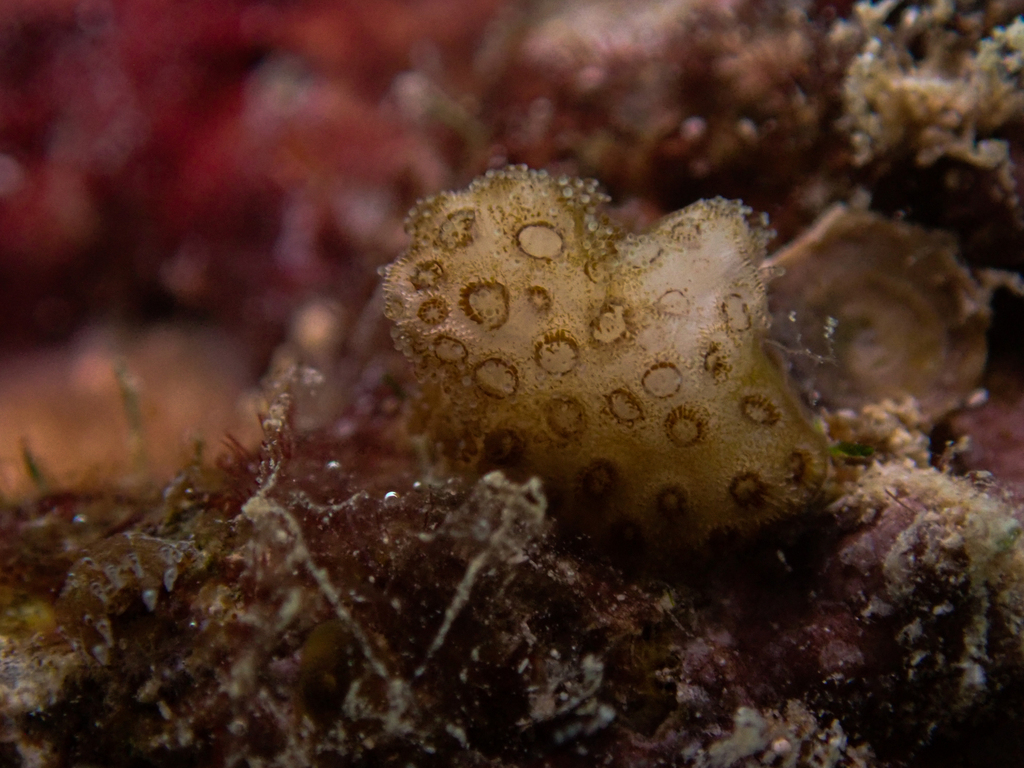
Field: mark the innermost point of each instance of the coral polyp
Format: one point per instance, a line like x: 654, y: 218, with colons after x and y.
x: 625, y: 370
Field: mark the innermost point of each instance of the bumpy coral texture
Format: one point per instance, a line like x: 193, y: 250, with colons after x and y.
x: 626, y: 370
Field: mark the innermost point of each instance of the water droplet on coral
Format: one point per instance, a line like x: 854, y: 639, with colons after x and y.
x: 391, y: 498
x: 149, y: 597
x: 540, y: 241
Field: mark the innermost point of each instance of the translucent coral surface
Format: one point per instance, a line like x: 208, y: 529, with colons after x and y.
x: 627, y: 371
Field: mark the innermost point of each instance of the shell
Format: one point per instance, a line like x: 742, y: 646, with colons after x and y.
x: 907, y: 318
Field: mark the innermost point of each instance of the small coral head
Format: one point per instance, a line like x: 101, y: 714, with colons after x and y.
x: 626, y: 371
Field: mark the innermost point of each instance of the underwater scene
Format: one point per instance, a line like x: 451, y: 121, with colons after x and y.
x: 512, y: 384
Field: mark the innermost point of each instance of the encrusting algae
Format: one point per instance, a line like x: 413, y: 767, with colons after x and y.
x: 627, y: 371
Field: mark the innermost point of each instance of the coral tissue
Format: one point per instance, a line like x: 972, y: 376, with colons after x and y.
x: 625, y: 370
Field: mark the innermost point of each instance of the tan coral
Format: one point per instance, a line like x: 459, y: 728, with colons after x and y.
x: 626, y: 371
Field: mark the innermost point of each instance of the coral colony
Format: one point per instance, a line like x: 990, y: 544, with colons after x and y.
x: 643, y: 485
x: 625, y: 370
